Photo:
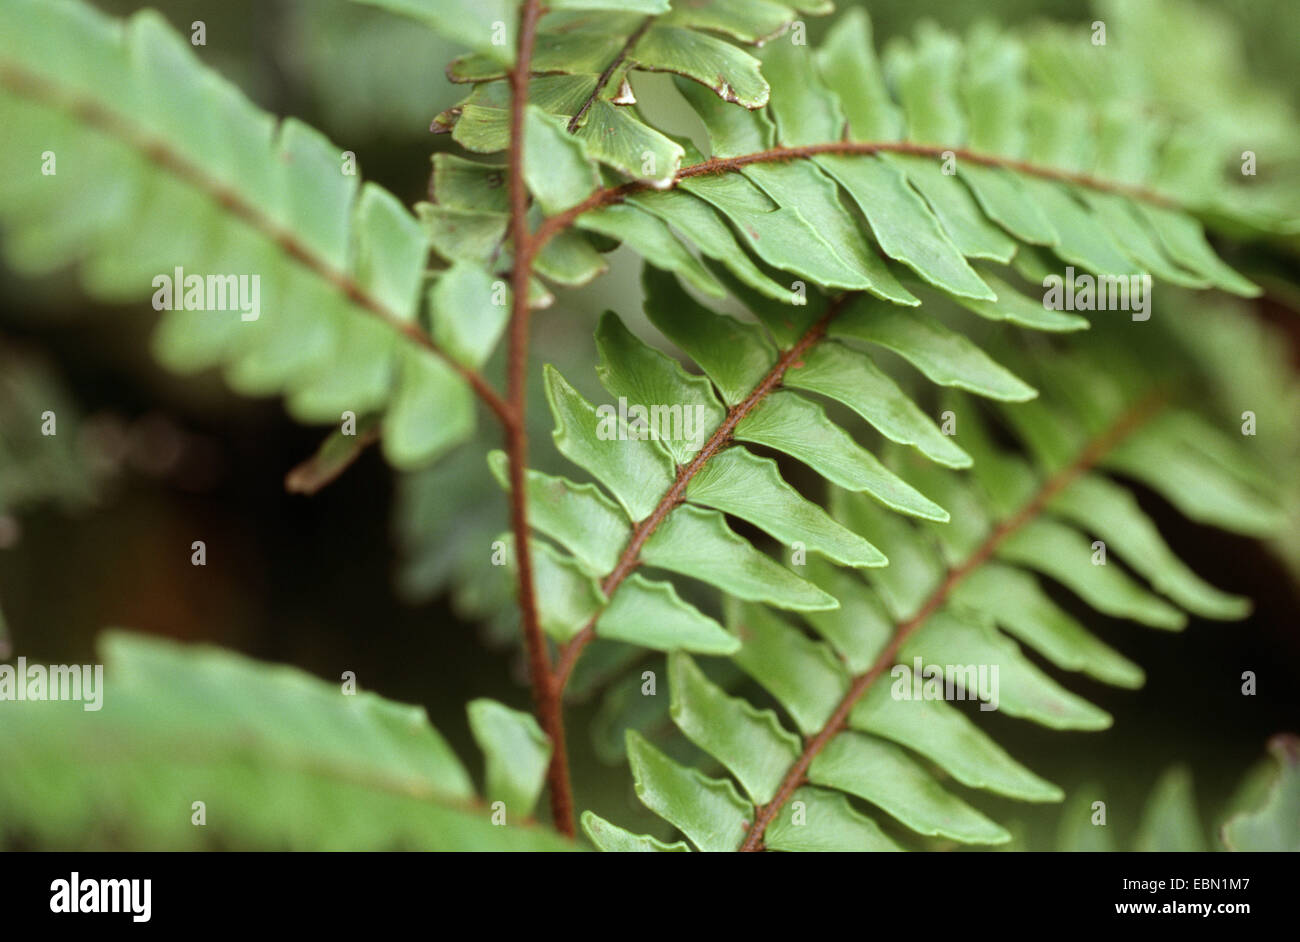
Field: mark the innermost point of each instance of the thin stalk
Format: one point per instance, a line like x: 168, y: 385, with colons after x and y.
x: 798, y: 773
x: 546, y: 693
x: 629, y: 559
x: 554, y: 225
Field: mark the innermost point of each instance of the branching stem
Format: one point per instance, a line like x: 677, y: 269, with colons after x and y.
x: 510, y: 410
x: 720, y: 439
x: 1089, y: 456
x: 554, y: 225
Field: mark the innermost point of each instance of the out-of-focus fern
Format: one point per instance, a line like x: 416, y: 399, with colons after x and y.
x: 199, y: 178
x: 333, y: 46
x: 61, y: 470
x: 1247, y: 374
x: 278, y: 759
x: 1267, y: 812
x: 44, y: 458
x: 1261, y: 815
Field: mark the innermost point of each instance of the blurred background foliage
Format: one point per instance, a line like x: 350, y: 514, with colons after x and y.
x: 354, y: 578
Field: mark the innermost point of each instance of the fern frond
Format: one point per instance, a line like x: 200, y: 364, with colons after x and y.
x: 809, y: 192
x: 200, y: 180
x: 1246, y: 374
x: 779, y: 195
x: 839, y: 169
x: 952, y: 152
x: 947, y: 598
x: 1261, y: 814
x: 270, y: 752
x: 583, y: 56
x: 1198, y: 92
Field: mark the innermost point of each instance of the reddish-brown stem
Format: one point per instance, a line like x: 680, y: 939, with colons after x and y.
x: 720, y: 439
x: 798, y: 773
x: 554, y: 225
x: 576, y: 121
x: 546, y: 694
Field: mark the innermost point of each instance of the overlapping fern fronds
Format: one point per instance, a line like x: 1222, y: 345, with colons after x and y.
x: 965, y: 593
x: 854, y: 212
x: 788, y: 199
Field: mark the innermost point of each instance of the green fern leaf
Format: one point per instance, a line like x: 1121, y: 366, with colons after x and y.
x: 828, y: 823
x: 611, y: 837
x: 517, y: 753
x: 1170, y: 821
x: 202, y: 181
x: 270, y: 752
x: 850, y: 203
x: 583, y: 57
x: 941, y: 601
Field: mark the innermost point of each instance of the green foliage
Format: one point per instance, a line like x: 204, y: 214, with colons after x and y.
x: 271, y: 752
x: 780, y: 475
x: 63, y: 472
x: 1261, y: 815
x: 951, y: 590
x: 1170, y: 821
x: 1273, y: 824
x: 201, y: 179
x: 584, y: 55
x: 517, y: 754
x: 331, y: 48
